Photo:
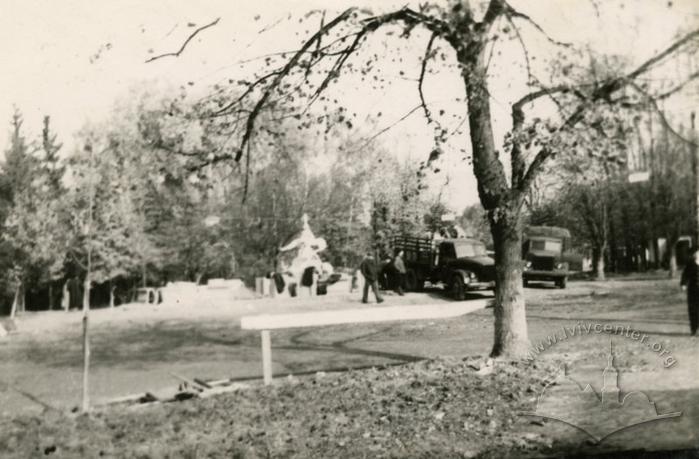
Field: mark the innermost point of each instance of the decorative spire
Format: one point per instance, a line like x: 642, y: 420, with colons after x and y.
x: 610, y: 376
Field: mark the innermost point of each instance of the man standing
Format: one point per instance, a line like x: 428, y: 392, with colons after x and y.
x: 690, y: 282
x: 399, y: 266
x: 369, y: 270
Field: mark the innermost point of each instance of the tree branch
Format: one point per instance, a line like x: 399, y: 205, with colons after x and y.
x: 646, y: 66
x: 421, y: 80
x: 405, y: 15
x: 513, y: 13
x: 677, y: 88
x: 186, y: 42
x: 604, y: 92
x: 279, y: 75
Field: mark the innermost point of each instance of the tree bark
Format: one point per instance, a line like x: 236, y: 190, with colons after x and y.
x: 15, y: 302
x: 598, y: 262
x: 511, y: 338
x: 86, y: 343
x: 111, y: 294
x: 65, y: 297
x: 50, y: 296
x: 22, y: 306
x: 672, y: 263
x: 502, y: 203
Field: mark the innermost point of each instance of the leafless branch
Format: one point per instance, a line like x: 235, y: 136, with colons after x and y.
x: 421, y: 80
x: 677, y: 88
x: 513, y: 13
x: 335, y: 70
x: 251, y: 87
x: 373, y: 137
x: 186, y: 42
x: 647, y: 65
x: 653, y: 103
x: 279, y: 75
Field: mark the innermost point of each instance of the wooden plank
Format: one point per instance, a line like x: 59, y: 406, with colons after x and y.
x: 188, y: 381
x: 360, y: 315
x: 124, y: 399
x: 266, y: 357
x: 202, y: 383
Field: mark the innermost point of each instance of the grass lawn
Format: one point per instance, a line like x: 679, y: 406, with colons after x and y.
x: 426, y: 408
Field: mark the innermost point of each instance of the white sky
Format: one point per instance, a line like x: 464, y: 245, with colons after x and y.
x: 47, y: 47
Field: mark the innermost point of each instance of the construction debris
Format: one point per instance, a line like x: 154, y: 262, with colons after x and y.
x: 188, y: 389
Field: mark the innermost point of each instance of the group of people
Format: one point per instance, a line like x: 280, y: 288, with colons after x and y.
x: 370, y: 269
x: 395, y: 270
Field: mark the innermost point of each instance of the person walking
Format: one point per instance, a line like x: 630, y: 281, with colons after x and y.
x: 399, y: 267
x: 370, y: 272
x: 690, y: 283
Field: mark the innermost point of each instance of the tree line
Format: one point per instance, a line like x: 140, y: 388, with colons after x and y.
x: 120, y: 210
x: 620, y: 221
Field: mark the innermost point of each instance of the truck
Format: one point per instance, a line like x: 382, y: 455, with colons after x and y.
x: 543, y: 249
x: 459, y: 264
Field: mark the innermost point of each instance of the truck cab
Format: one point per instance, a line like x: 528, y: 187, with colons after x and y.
x: 542, y: 252
x: 463, y: 265
x: 459, y: 264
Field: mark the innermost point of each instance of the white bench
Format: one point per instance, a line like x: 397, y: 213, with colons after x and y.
x: 267, y: 322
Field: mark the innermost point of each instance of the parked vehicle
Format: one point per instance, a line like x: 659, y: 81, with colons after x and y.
x: 460, y: 264
x: 543, y: 250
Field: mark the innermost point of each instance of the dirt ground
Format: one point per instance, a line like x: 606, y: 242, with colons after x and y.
x: 137, y: 348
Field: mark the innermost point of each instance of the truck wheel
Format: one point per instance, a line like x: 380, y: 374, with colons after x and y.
x: 561, y: 283
x: 458, y: 289
x: 410, y: 281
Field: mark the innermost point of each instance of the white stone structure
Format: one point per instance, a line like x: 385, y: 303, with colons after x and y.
x: 301, y: 252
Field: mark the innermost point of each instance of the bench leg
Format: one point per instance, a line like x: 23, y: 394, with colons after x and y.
x: 266, y: 357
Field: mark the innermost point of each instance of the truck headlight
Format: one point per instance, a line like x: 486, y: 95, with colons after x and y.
x: 528, y: 265
x: 561, y: 266
x: 472, y: 276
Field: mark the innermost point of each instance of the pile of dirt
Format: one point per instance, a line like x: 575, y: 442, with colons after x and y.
x: 439, y: 408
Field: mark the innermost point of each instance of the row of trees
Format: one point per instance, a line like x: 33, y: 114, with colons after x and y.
x: 121, y: 210
x: 620, y: 221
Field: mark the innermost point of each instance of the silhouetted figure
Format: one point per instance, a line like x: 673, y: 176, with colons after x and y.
x: 371, y: 275
x: 690, y: 282
x: 399, y: 273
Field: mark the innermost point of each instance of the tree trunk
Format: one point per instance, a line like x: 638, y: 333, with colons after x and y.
x: 502, y: 203
x: 144, y: 275
x: 598, y: 262
x: 672, y: 264
x: 22, y: 306
x: 111, y: 294
x: 86, y: 344
x: 15, y: 302
x: 511, y: 339
x: 65, y: 296
x: 50, y: 296
x: 613, y: 255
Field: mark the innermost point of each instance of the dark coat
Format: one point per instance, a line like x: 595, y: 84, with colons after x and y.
x: 690, y: 278
x: 369, y: 269
x: 307, y: 276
